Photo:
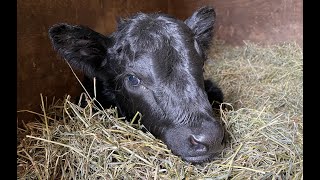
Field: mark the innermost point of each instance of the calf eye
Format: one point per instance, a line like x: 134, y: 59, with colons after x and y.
x: 133, y: 80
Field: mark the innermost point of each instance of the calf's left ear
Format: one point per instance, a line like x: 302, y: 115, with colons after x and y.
x: 201, y: 23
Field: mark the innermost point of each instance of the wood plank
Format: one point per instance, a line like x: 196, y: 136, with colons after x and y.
x: 264, y: 22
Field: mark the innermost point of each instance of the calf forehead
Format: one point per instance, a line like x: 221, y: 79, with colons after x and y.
x: 166, y: 67
x: 160, y: 46
x: 150, y: 32
x: 172, y: 64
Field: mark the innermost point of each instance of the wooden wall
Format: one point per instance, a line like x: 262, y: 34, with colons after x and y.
x: 261, y: 21
x: 40, y: 70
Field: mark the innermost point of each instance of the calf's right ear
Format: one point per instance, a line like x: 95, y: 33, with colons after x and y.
x: 82, y: 47
x: 202, y: 23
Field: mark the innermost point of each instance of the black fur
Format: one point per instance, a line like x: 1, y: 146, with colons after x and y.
x: 153, y: 63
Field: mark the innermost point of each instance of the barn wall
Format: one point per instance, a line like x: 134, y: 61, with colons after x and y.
x: 261, y: 21
x: 41, y: 70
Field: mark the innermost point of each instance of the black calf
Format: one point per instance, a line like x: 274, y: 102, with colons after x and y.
x: 153, y: 64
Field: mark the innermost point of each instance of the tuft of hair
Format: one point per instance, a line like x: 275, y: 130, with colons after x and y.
x: 263, y: 120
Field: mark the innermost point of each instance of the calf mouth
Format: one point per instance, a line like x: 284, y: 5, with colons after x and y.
x: 199, y: 159
x: 202, y: 158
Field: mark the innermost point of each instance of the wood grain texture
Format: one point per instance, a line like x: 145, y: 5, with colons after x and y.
x: 264, y: 22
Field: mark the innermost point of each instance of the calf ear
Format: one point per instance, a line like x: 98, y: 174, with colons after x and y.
x: 201, y: 23
x: 82, y: 47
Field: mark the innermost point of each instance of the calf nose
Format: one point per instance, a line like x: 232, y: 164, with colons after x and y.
x: 207, y: 138
x: 199, y: 143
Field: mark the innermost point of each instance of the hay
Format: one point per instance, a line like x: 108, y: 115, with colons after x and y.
x: 263, y: 96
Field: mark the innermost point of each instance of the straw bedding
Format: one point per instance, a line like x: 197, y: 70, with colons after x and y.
x: 262, y: 117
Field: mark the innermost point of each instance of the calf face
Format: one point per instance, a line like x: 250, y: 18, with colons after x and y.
x: 153, y: 64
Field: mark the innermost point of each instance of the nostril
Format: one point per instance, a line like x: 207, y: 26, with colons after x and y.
x: 197, y: 144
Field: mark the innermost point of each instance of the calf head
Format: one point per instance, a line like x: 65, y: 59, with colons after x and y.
x: 153, y: 64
